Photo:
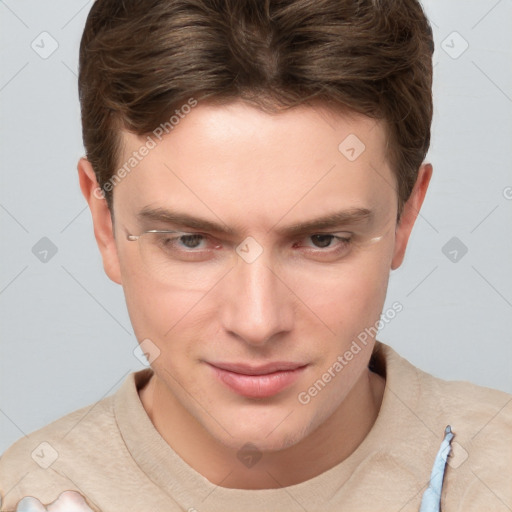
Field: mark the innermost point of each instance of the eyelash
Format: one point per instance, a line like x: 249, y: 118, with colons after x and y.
x: 344, y: 241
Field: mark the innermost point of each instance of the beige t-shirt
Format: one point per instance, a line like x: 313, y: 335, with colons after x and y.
x: 111, y: 453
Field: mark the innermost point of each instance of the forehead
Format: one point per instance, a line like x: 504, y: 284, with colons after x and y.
x: 237, y: 162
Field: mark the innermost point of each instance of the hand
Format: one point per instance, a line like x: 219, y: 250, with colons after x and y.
x: 68, y: 501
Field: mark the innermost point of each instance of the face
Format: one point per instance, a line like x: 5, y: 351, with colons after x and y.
x: 249, y: 309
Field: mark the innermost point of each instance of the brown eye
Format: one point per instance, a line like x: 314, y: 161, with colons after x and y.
x: 191, y: 241
x: 325, y: 246
x: 322, y: 240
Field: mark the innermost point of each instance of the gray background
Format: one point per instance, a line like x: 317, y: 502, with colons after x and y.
x: 66, y: 337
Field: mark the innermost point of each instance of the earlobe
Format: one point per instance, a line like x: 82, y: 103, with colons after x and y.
x: 410, y: 213
x: 101, y: 217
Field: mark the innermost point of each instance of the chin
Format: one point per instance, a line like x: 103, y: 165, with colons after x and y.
x: 266, y: 437
x: 262, y: 444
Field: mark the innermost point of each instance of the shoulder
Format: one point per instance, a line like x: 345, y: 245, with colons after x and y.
x: 480, y: 463
x: 469, y: 403
x: 472, y: 406
x: 39, y: 464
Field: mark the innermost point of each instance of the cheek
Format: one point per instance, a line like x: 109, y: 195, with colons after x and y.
x: 157, y: 312
x: 347, y: 297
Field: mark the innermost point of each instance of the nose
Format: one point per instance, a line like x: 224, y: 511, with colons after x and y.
x: 257, y: 304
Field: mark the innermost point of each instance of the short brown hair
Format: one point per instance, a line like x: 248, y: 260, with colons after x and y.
x: 141, y: 59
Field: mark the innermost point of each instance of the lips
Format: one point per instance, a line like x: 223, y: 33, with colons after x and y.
x: 265, y: 369
x: 260, y: 381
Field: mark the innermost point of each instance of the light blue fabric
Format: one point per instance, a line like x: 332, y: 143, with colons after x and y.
x: 431, y: 501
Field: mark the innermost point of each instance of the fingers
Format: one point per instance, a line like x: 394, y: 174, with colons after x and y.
x: 68, y: 501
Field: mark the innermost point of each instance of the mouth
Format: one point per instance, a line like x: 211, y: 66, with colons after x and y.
x: 261, y: 381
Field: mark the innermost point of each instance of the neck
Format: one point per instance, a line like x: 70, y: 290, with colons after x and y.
x: 324, y: 448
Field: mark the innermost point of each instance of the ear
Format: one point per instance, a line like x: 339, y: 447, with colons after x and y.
x: 410, y: 213
x: 101, y: 219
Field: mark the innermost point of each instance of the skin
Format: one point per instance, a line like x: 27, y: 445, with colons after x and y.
x: 257, y: 172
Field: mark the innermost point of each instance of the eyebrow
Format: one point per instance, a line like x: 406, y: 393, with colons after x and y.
x: 185, y: 220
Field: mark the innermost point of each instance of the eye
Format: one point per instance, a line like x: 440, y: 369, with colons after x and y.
x: 329, y: 241
x: 182, y: 246
x: 322, y: 240
x: 181, y: 241
x: 326, y: 247
x: 191, y: 240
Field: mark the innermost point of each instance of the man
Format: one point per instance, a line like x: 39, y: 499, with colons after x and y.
x: 254, y: 170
